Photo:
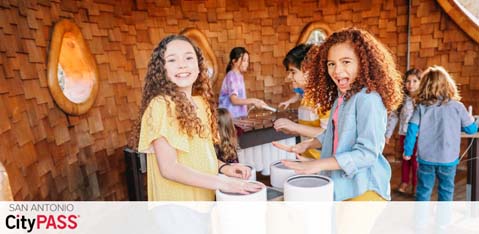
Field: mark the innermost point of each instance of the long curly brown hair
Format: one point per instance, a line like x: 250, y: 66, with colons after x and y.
x: 228, y: 139
x: 377, y: 70
x: 158, y: 85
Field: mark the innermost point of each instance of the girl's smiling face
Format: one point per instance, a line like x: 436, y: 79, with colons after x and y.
x: 412, y: 83
x: 343, y: 65
x: 297, y: 76
x: 242, y: 63
x: 181, y: 64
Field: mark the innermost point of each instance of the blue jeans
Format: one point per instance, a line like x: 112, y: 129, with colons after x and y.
x: 426, y: 176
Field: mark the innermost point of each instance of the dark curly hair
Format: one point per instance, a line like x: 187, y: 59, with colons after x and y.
x: 377, y: 70
x: 158, y: 85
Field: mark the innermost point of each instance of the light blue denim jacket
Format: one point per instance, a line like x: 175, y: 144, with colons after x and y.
x: 362, y: 123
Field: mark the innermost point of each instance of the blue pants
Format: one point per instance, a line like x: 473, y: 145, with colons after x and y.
x: 426, y: 176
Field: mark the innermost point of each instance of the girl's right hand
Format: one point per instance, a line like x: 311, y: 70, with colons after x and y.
x: 297, y: 149
x: 234, y: 185
x: 303, y: 167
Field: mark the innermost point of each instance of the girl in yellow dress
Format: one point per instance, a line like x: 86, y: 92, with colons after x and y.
x: 177, y: 128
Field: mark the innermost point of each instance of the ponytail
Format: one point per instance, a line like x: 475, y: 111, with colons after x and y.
x: 235, y: 54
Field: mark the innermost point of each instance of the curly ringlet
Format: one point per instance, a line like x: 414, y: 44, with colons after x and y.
x: 377, y: 70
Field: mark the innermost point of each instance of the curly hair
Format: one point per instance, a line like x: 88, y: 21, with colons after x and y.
x: 228, y: 139
x: 157, y: 84
x: 377, y: 70
x: 436, y: 85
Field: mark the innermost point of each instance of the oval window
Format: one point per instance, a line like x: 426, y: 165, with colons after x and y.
x: 314, y: 33
x: 72, y: 70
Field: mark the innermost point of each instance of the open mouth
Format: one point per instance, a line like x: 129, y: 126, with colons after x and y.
x: 343, y: 82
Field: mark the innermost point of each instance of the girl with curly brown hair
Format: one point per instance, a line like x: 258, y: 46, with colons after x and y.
x: 354, y: 75
x: 178, y: 127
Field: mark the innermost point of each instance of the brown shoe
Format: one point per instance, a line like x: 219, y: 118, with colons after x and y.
x: 403, y: 187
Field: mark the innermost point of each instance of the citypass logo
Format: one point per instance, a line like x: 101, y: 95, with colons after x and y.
x: 42, y: 216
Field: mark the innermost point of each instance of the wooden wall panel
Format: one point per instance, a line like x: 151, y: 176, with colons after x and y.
x: 50, y: 156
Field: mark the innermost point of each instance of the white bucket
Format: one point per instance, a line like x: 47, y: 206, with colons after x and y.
x: 257, y: 196
x: 252, y: 177
x: 309, y: 188
x: 279, y: 174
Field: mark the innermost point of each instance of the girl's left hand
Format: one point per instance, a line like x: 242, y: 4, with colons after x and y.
x: 303, y: 167
x: 406, y: 157
x: 237, y: 170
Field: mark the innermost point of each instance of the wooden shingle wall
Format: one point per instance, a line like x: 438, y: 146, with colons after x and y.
x: 51, y: 156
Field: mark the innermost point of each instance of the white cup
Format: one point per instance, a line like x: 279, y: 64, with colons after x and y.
x: 279, y: 174
x: 309, y: 188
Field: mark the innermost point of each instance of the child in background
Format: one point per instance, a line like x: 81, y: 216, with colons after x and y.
x: 233, y: 92
x: 353, y: 75
x: 437, y: 122
x: 311, y: 122
x: 226, y: 149
x: 411, y: 84
x: 177, y: 129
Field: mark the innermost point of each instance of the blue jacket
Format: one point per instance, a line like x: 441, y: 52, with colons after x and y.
x: 362, y: 124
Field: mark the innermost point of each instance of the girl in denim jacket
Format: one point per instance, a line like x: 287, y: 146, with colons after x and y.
x: 437, y: 122
x: 353, y: 75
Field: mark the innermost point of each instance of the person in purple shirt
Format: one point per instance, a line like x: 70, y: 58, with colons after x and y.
x: 233, y: 92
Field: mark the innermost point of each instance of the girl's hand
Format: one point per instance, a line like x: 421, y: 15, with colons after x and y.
x: 297, y: 149
x: 405, y: 157
x: 285, y: 125
x: 303, y: 167
x: 237, y: 170
x: 258, y: 103
x: 284, y: 104
x: 234, y: 185
x: 387, y: 140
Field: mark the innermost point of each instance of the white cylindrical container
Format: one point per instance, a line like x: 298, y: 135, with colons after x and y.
x: 257, y: 196
x: 309, y: 188
x: 279, y: 174
x: 252, y: 177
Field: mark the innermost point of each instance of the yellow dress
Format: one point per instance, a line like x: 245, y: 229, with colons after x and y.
x: 310, y: 115
x: 196, y: 152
